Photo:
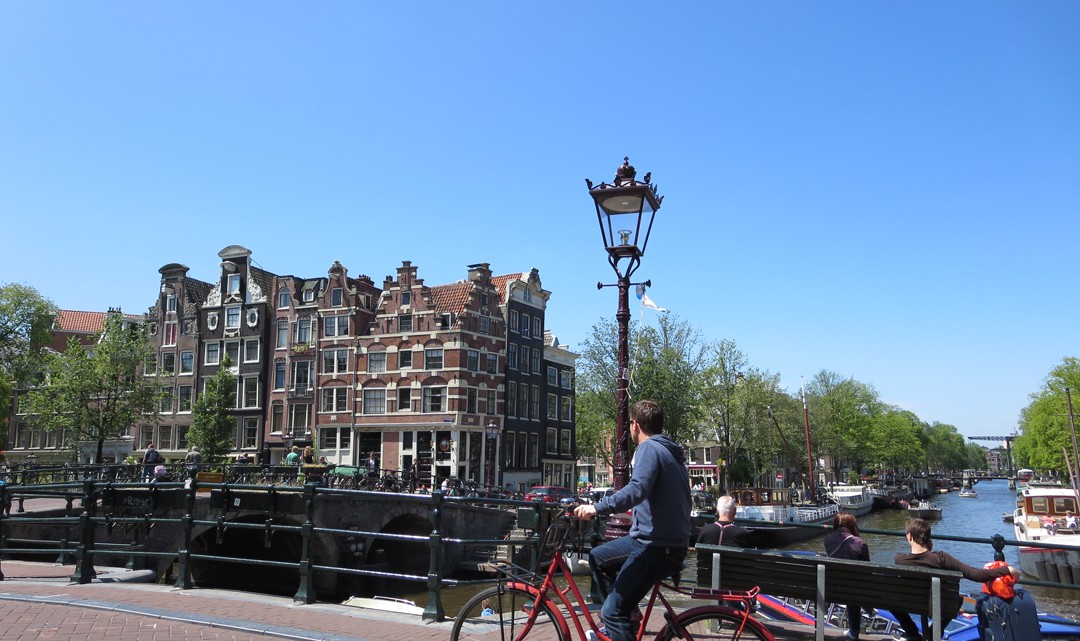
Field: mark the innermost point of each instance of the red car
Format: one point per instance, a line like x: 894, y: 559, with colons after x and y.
x: 548, y: 494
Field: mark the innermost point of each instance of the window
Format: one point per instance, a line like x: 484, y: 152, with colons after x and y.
x: 525, y: 325
x: 150, y: 365
x: 470, y: 400
x: 165, y: 437
x: 213, y: 353
x: 707, y: 455
x: 234, y: 283
x: 405, y: 359
x: 404, y: 399
x: 299, y: 415
x: 472, y: 360
x: 434, y: 399
x: 511, y: 356
x: 279, y: 375
x: 490, y: 407
x: 181, y: 437
x: 567, y: 408
x: 564, y: 445
x: 535, y: 365
x: 303, y: 330
x: 252, y: 317
x: 552, y: 440
x: 564, y: 379
x: 536, y: 327
x: 170, y: 304
x: 376, y: 362
x: 277, y: 412
x: 336, y: 297
x: 232, y: 317
x: 511, y: 398
x: 301, y: 375
x: 282, y: 333
x: 187, y: 362
x: 251, y: 350
x: 553, y: 407
x: 166, y: 401
x: 335, y: 361
x: 446, y: 321
x: 406, y: 298
x: 168, y: 363
x: 509, y: 449
x: 433, y: 358
x: 335, y: 399
x: 513, y: 321
x: 250, y: 437
x: 524, y: 364
x: 492, y: 363
x: 284, y: 299
x: 184, y: 398
x: 309, y: 294
x: 522, y: 455
x: 552, y: 376
x: 405, y: 323
x: 534, y: 403
x: 170, y: 333
x: 375, y: 401
x: 336, y: 326
x: 250, y: 391
x: 232, y: 352
x: 485, y: 324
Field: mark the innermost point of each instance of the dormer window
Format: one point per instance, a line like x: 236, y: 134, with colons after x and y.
x: 309, y: 295
x: 445, y: 321
x: 336, y: 297
x: 170, y: 304
x: 406, y: 298
x: 234, y: 284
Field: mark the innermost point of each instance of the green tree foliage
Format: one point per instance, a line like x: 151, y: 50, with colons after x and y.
x: 213, y: 424
x: 894, y: 442
x: 26, y: 320
x: 945, y: 448
x: 842, y: 414
x: 98, y: 392
x: 976, y: 456
x: 1044, y: 423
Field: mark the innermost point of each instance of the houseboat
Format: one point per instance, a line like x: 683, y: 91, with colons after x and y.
x: 1047, y: 515
x: 777, y: 520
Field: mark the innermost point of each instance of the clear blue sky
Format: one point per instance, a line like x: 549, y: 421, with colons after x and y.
x: 889, y: 191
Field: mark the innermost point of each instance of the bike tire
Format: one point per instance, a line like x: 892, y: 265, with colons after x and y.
x: 716, y: 623
x: 509, y: 621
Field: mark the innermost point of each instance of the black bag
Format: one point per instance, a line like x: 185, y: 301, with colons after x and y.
x: 1014, y: 619
x: 153, y: 456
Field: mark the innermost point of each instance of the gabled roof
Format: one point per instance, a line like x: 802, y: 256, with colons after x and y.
x: 452, y: 297
x: 196, y: 290
x: 500, y: 283
x: 79, y: 322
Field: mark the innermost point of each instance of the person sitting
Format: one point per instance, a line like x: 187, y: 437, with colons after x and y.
x: 844, y: 542
x: 1049, y: 524
x: 1071, y: 522
x: 724, y: 531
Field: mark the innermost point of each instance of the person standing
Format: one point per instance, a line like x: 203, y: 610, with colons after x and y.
x: 725, y: 531
x: 844, y: 542
x: 371, y: 465
x: 308, y: 457
x: 625, y: 569
x: 921, y: 555
x: 151, y: 459
x: 193, y: 458
x: 293, y: 457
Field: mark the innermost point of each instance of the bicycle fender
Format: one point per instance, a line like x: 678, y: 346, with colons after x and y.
x: 560, y: 620
x: 750, y: 622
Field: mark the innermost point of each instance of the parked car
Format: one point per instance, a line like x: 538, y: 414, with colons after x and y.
x: 598, y: 493
x: 548, y: 494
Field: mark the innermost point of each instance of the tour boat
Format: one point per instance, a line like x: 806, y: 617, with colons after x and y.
x: 924, y: 510
x: 777, y: 518
x: 968, y: 493
x: 853, y: 499
x: 1041, y: 517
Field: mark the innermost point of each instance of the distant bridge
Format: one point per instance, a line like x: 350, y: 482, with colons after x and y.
x: 1008, y: 449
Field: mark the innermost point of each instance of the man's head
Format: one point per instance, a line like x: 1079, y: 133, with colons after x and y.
x: 648, y: 416
x: 919, y: 532
x: 726, y: 508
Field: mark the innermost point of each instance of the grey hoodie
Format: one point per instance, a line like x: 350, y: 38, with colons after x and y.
x: 660, y: 490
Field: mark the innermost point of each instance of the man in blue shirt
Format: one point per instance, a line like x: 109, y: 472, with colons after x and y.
x: 659, y: 491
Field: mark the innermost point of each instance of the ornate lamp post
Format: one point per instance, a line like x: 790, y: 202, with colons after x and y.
x: 625, y: 211
x: 492, y: 431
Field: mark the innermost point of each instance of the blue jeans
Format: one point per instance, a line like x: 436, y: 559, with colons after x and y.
x: 625, y: 571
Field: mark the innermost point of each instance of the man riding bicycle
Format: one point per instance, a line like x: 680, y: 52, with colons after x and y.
x: 659, y: 491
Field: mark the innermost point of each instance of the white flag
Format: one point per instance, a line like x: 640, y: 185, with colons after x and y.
x: 647, y: 302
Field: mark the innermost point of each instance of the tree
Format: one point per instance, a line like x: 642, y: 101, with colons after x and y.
x: 945, y: 451
x: 213, y: 424
x: 97, y: 392
x: 1044, y: 423
x: 894, y: 442
x: 843, y: 411
x: 26, y: 320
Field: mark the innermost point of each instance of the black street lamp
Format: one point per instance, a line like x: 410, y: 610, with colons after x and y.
x: 492, y: 430
x: 625, y: 211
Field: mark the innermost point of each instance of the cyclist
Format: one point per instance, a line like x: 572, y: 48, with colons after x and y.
x: 659, y: 491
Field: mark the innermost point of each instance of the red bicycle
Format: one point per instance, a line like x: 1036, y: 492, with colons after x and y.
x: 528, y: 606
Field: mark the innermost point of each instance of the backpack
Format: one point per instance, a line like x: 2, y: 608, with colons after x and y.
x: 153, y: 456
x: 1014, y: 619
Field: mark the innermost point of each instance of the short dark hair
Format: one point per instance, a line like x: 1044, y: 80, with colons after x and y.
x: 920, y: 532
x: 649, y: 416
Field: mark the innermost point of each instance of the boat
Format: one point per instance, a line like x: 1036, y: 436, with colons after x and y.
x: 965, y: 627
x: 702, y: 512
x: 385, y: 604
x: 853, y: 499
x: 968, y: 493
x: 774, y: 520
x: 924, y: 510
x: 1041, y: 517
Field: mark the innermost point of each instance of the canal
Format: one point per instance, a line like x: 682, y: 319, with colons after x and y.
x: 978, y: 517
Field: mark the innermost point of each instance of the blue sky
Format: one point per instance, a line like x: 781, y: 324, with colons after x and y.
x: 888, y: 191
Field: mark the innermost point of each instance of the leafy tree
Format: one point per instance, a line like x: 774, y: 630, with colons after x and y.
x: 1044, y: 423
x: 213, y: 424
x: 95, y: 393
x: 26, y: 320
x: 945, y: 450
x: 894, y: 442
x: 976, y: 457
x: 842, y: 412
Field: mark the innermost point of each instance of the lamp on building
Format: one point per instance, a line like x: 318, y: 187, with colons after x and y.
x: 625, y: 211
x: 492, y: 431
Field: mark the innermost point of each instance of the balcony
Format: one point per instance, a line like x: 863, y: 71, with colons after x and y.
x: 301, y: 392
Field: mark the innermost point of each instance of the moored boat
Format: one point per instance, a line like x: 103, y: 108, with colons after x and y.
x: 853, y: 499
x: 1042, y: 516
x: 778, y: 521
x: 968, y: 493
x: 924, y: 510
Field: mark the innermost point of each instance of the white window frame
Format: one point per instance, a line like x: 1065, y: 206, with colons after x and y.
x: 374, y: 400
x: 213, y: 353
x: 248, y: 343
x: 232, y: 317
x: 376, y: 362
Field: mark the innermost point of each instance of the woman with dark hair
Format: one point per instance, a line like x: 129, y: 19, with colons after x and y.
x: 844, y: 543
x: 918, y: 536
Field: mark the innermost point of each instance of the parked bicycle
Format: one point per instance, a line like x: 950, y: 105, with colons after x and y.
x: 526, y: 605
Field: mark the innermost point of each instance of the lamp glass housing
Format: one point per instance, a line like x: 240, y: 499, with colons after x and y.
x: 626, y: 217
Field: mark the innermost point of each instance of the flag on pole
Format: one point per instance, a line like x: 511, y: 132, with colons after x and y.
x: 647, y: 302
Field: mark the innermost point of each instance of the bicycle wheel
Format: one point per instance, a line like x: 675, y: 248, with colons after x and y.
x: 716, y: 624
x: 503, y: 615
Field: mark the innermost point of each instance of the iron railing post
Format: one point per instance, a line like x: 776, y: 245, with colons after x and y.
x: 306, y: 592
x: 84, y: 561
x: 433, y: 611
x: 183, y: 576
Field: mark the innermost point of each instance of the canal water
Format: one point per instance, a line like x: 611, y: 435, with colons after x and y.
x: 975, y: 518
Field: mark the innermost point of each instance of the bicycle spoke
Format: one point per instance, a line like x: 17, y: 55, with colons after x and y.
x: 505, y: 616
